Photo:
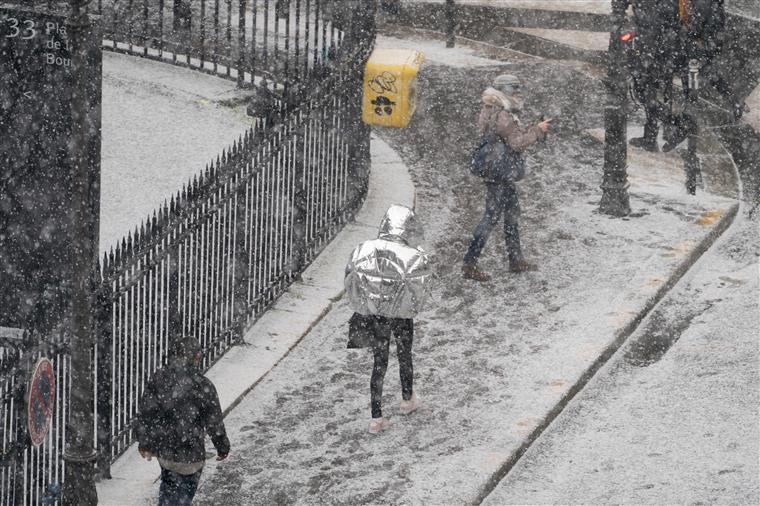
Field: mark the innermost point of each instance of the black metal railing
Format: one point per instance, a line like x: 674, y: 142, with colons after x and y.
x: 30, y: 474
x: 224, y: 248
x: 214, y: 257
x: 249, y: 41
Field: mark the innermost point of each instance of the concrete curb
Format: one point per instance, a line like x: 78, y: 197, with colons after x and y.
x: 283, y: 326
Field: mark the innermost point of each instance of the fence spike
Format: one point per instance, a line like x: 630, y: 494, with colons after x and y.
x: 123, y: 251
x: 111, y: 260
x: 129, y: 249
x: 104, y: 265
x: 215, y: 172
x: 249, y: 137
x: 154, y: 223
x: 143, y: 229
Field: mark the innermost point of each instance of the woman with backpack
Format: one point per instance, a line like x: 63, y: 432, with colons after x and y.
x: 501, y: 166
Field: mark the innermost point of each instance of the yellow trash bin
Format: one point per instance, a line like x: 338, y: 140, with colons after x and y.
x: 390, y: 87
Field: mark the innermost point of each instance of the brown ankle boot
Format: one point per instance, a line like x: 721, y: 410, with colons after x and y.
x: 472, y: 272
x: 522, y: 266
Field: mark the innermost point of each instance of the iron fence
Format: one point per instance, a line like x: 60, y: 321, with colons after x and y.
x: 223, y: 249
x: 251, y: 41
x: 30, y: 474
x: 216, y: 255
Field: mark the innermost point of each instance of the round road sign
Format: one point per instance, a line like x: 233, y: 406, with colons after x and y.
x: 41, y: 400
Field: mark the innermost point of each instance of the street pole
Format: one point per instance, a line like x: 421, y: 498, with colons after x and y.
x: 690, y: 158
x: 614, y: 186
x: 358, y: 45
x: 79, y: 485
x: 451, y: 23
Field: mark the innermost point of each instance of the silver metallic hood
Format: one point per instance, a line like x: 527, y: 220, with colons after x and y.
x: 400, y: 224
x: 391, y: 275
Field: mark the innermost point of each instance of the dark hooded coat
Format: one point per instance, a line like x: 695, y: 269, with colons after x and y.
x: 178, y: 407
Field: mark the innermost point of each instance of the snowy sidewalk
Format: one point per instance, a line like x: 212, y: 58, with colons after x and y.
x: 494, y: 362
x: 281, y: 327
x: 586, y: 6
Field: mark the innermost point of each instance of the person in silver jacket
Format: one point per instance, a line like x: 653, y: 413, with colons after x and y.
x: 387, y: 282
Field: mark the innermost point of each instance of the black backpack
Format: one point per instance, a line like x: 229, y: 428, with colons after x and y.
x: 494, y: 160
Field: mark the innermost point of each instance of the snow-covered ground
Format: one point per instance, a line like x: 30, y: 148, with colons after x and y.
x: 161, y: 125
x: 749, y: 8
x: 492, y: 360
x: 673, y: 419
x: 590, y: 6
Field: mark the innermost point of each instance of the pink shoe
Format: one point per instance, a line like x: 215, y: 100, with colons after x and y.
x: 378, y: 424
x: 409, y: 406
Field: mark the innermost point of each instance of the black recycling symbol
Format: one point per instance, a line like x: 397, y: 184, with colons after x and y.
x: 383, y: 105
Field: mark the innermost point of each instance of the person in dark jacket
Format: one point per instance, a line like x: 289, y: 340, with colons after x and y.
x: 660, y: 54
x: 179, y: 406
x: 501, y: 105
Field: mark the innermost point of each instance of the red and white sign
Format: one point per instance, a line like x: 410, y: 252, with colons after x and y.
x: 40, y: 400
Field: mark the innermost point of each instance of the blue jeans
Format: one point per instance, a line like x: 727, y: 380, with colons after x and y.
x: 501, y: 199
x: 177, y: 489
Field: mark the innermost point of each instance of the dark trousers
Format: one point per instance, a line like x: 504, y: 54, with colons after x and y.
x: 177, y: 489
x: 403, y: 331
x: 501, y: 199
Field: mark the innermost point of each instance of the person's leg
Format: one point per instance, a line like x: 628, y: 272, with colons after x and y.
x: 380, y: 349
x: 647, y: 93
x: 489, y: 220
x: 517, y: 262
x: 403, y: 331
x: 491, y: 216
x: 168, y: 491
x: 651, y: 129
x: 187, y: 486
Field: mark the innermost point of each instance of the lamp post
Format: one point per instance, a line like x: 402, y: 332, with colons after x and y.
x: 79, y: 486
x: 357, y: 47
x: 614, y: 186
x: 451, y: 23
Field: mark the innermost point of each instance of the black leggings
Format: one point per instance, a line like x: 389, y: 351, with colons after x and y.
x: 403, y: 331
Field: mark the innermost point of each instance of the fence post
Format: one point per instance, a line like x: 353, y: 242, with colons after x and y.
x: 22, y: 433
x: 104, y: 319
x: 174, y: 323
x: 298, y: 255
x: 242, y: 241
